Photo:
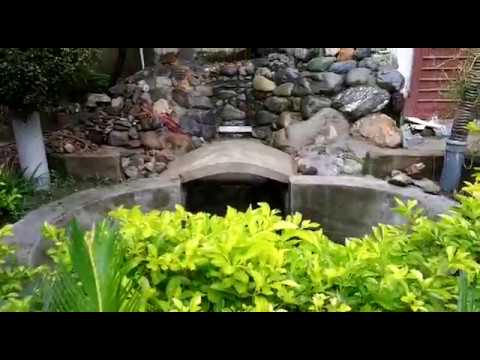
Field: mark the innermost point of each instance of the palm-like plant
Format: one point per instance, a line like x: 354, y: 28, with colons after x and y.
x: 96, y: 280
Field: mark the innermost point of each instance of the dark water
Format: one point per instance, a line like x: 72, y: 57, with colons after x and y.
x: 214, y: 196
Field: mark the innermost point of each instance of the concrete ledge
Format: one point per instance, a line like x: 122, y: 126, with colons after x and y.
x: 89, y: 206
x: 100, y: 164
x: 350, y: 206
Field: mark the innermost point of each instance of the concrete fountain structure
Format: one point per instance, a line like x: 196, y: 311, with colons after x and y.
x: 344, y: 205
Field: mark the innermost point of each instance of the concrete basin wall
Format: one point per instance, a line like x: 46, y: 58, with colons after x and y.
x: 88, y: 207
x: 350, y: 206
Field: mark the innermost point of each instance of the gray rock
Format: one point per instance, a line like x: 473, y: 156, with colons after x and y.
x: 386, y: 59
x: 264, y: 117
x: 326, y: 83
x: 302, y: 88
x: 361, y: 100
x: 229, y: 70
x: 343, y: 67
x: 288, y: 118
x: 305, y: 132
x: 133, y: 134
x: 362, y: 53
x: 117, y: 103
x: 198, y: 123
x: 146, y: 98
x: 131, y: 172
x: 159, y: 167
x: 162, y: 81
x: 286, y: 75
x: 321, y: 63
x: 201, y: 102
x: 284, y: 89
x: 352, y: 167
x: 360, y: 76
x: 118, y: 138
x: 263, y: 133
x: 390, y: 80
x: 225, y: 94
x: 118, y: 90
x: 230, y: 112
x: 296, y: 104
x: 161, y: 93
x: 261, y: 83
x: 332, y: 51
x: 94, y: 100
x: 427, y: 185
x: 399, y: 178
x: 265, y: 72
x: 312, y: 104
x: 369, y: 63
x: 250, y: 68
x: 277, y: 104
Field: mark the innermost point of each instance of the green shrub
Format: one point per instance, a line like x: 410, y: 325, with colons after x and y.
x: 17, y: 283
x: 34, y: 78
x: 257, y: 261
x: 13, y: 189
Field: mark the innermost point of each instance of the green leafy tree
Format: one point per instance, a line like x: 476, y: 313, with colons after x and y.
x: 31, y: 80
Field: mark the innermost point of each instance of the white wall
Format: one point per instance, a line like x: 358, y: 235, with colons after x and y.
x: 405, y: 65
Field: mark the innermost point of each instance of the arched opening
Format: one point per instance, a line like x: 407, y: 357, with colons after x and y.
x: 214, y: 194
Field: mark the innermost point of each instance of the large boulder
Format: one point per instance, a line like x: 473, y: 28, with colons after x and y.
x: 312, y: 104
x: 379, y: 129
x: 288, y: 118
x: 360, y: 76
x: 361, y: 100
x: 277, y: 104
x: 305, y: 132
x: 343, y: 67
x: 390, y: 80
x: 321, y: 63
x: 326, y: 83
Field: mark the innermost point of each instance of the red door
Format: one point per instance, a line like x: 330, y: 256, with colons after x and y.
x: 433, y: 68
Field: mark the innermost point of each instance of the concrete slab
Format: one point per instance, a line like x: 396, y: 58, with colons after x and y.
x: 233, y: 156
x: 100, y: 164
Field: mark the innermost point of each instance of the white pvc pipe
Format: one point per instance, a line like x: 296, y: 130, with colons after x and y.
x: 31, y: 148
x: 142, y: 58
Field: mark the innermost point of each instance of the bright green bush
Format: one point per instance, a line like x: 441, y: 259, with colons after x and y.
x: 257, y: 261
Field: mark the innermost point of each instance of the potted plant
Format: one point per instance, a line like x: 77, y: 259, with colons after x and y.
x: 32, y: 80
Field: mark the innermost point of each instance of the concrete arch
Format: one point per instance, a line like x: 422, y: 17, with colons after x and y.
x: 236, y: 158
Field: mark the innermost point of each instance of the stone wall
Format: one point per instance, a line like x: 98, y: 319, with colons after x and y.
x: 300, y: 100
